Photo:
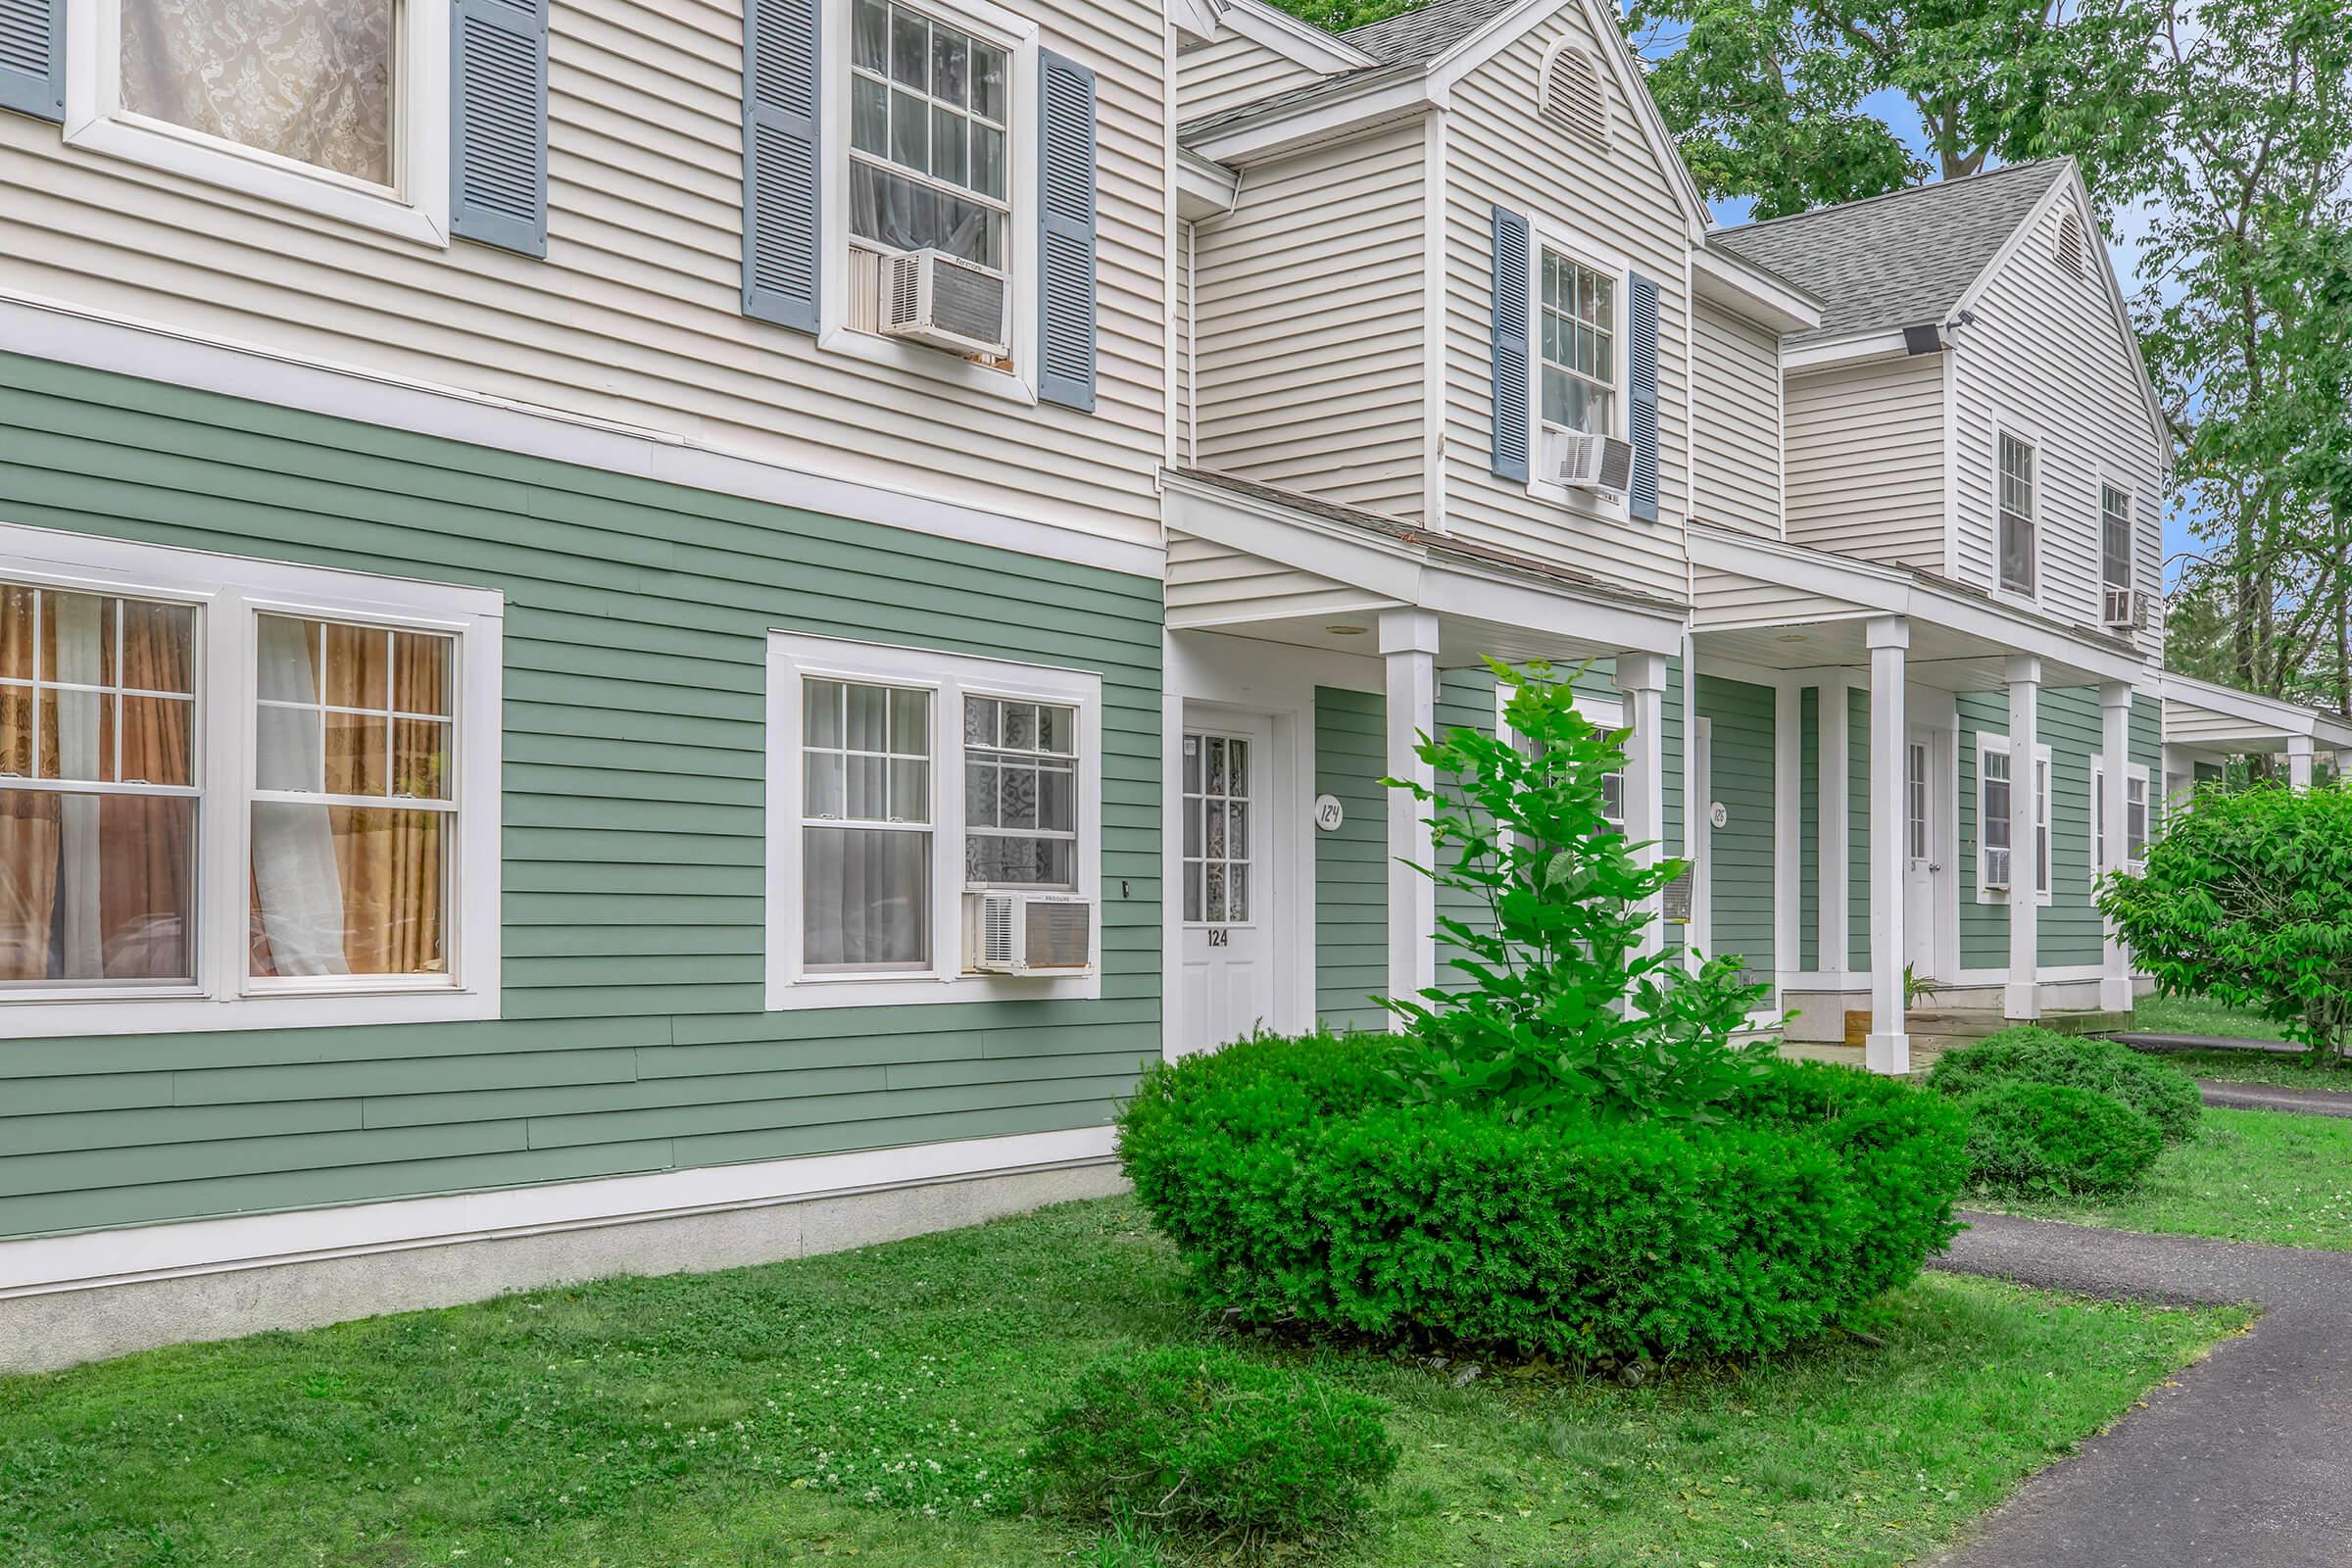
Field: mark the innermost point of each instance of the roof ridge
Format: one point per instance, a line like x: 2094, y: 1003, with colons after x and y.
x: 1984, y: 176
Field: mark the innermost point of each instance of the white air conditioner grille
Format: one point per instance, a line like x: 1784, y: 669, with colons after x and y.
x: 993, y: 946
x: 1030, y: 933
x: 936, y: 299
x: 1996, y: 868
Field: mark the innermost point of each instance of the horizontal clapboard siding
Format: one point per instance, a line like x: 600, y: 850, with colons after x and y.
x: 1736, y: 423
x: 633, y: 1037
x: 635, y: 315
x: 1212, y: 77
x: 2068, y: 929
x: 1865, y: 457
x: 1351, y: 863
x: 1465, y: 701
x: 1741, y: 774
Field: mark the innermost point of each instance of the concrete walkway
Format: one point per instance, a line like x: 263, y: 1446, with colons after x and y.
x: 2272, y: 1097
x: 2140, y: 1041
x: 2244, y: 1460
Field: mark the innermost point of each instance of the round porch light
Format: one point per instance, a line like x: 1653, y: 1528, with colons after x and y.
x: 1347, y: 631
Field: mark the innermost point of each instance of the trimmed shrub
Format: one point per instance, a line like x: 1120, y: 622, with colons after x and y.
x: 2028, y: 1054
x: 1204, y: 1442
x: 1299, y: 1183
x: 2055, y: 1140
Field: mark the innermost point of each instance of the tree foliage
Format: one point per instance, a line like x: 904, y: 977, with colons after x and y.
x: 1562, y: 1005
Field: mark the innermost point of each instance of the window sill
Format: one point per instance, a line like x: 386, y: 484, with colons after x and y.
x: 185, y: 1012
x: 1999, y: 897
x: 1582, y: 503
x: 817, y: 991
x: 2016, y: 600
x: 935, y: 365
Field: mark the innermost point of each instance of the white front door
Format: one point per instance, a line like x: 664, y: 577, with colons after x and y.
x: 1226, y: 983
x: 1922, y: 870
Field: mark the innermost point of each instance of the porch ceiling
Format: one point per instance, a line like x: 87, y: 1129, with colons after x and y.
x: 1940, y: 657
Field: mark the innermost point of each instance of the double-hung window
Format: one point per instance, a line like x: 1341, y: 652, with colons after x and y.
x: 2115, y: 553
x: 2137, y: 781
x: 2017, y: 547
x: 244, y: 783
x: 901, y: 783
x: 1576, y: 343
x: 930, y: 129
x: 2000, y: 870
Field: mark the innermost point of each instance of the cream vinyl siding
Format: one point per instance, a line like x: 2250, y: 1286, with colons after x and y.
x: 1309, y: 338
x: 1865, y: 460
x: 635, y: 315
x: 1725, y: 598
x: 1625, y: 202
x: 1212, y: 580
x: 2048, y: 359
x: 1211, y: 77
x: 1187, y: 313
x: 1737, y: 423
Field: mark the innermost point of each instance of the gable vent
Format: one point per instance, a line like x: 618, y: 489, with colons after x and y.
x: 2070, y: 243
x: 1574, y: 98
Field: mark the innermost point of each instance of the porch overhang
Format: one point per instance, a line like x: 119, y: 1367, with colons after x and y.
x: 1257, y: 562
x: 2201, y: 716
x: 1779, y: 605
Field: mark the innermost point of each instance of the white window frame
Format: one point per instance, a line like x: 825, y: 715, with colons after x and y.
x: 794, y: 658
x: 230, y: 594
x: 1018, y: 36
x: 2011, y: 431
x: 1545, y: 235
x: 2134, y: 773
x: 416, y: 209
x: 2047, y: 827
x: 1601, y: 712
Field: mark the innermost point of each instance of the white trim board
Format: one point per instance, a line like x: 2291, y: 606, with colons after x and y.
x: 48, y: 330
x: 92, y: 1258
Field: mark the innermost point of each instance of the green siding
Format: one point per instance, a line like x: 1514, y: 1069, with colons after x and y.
x: 1808, y: 803
x: 633, y: 1037
x: 2067, y: 931
x: 1465, y: 701
x: 1857, y: 829
x: 1741, y: 774
x: 1670, y: 750
x: 1352, y: 865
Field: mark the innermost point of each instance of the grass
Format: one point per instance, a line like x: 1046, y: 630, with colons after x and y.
x: 2246, y: 1176
x: 2200, y: 1016
x: 873, y: 1406
x: 2260, y: 1067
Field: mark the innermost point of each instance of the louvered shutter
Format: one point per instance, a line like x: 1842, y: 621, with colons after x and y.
x: 32, y: 57
x: 497, y: 124
x: 780, y: 98
x: 1641, y: 371
x: 1065, y: 233
x: 1510, y: 337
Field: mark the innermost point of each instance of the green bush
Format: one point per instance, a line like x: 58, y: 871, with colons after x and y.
x: 2028, y: 1054
x: 1204, y: 1442
x: 1299, y: 1183
x: 2054, y: 1140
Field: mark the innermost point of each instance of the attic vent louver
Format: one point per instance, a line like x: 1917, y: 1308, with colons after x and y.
x: 1574, y: 98
x: 2070, y: 246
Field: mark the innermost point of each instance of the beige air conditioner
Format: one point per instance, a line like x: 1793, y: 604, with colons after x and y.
x: 1029, y: 933
x: 932, y: 298
x: 2125, y: 610
x: 1588, y: 462
x: 1996, y: 871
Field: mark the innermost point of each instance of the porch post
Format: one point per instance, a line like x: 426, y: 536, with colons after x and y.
x: 2115, y: 753
x: 1642, y: 679
x: 1889, y: 1048
x: 1408, y: 648
x: 2022, y: 997
x: 2298, y: 761
x: 2343, y: 765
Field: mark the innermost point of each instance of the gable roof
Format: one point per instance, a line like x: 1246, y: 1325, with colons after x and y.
x: 1423, y: 35
x: 1901, y: 259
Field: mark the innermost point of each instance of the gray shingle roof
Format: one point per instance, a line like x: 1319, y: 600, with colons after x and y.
x: 1901, y: 259
x: 1423, y: 35
x: 1300, y: 97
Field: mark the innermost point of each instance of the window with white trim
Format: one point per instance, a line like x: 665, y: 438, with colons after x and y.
x: 1576, y: 345
x: 2137, y: 816
x: 901, y: 783
x: 239, y: 782
x: 1608, y: 718
x: 2018, y: 551
x: 337, y: 105
x: 1995, y: 845
x: 2115, y: 542
x: 930, y: 129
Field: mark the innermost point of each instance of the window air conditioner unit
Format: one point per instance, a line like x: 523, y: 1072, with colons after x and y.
x: 1588, y: 462
x: 1996, y: 871
x: 2125, y: 610
x: 935, y: 299
x: 1030, y: 933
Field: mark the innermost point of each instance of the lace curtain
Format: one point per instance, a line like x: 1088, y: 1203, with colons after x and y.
x: 307, y: 80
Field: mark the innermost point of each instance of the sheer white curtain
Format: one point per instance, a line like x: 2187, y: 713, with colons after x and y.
x: 298, y: 886
x: 81, y: 660
x: 867, y: 898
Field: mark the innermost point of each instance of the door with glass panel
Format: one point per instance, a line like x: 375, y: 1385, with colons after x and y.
x: 1923, y: 864
x: 1225, y: 985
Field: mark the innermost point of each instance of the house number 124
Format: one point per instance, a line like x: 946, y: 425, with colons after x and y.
x: 1216, y: 936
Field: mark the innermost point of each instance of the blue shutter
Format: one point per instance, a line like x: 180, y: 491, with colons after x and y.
x: 1642, y: 366
x: 1065, y: 233
x: 32, y: 57
x: 780, y: 97
x: 497, y: 123
x: 1510, y: 336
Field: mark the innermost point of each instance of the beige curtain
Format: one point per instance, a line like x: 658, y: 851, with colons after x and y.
x: 307, y: 80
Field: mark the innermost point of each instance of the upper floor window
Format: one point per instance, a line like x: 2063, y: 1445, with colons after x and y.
x: 337, y: 105
x: 2019, y: 551
x: 2114, y: 537
x: 236, y: 782
x: 1577, y: 346
x: 930, y: 128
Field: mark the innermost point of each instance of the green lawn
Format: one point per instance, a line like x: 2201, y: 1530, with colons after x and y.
x: 2246, y: 1176
x: 2196, y: 1015
x: 873, y: 1405
x: 2260, y: 1067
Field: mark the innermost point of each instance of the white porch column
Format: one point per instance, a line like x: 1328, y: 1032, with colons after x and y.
x: 1889, y: 1048
x: 2298, y: 761
x: 2022, y: 997
x: 1642, y: 679
x: 2343, y: 767
x: 1408, y: 648
x: 2115, y: 753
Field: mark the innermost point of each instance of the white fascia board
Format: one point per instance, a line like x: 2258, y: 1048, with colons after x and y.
x: 2248, y: 716
x: 1316, y: 48
x: 1205, y: 187
x: 1377, y: 103
x: 1197, y: 21
x: 1853, y: 347
x: 1748, y: 291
